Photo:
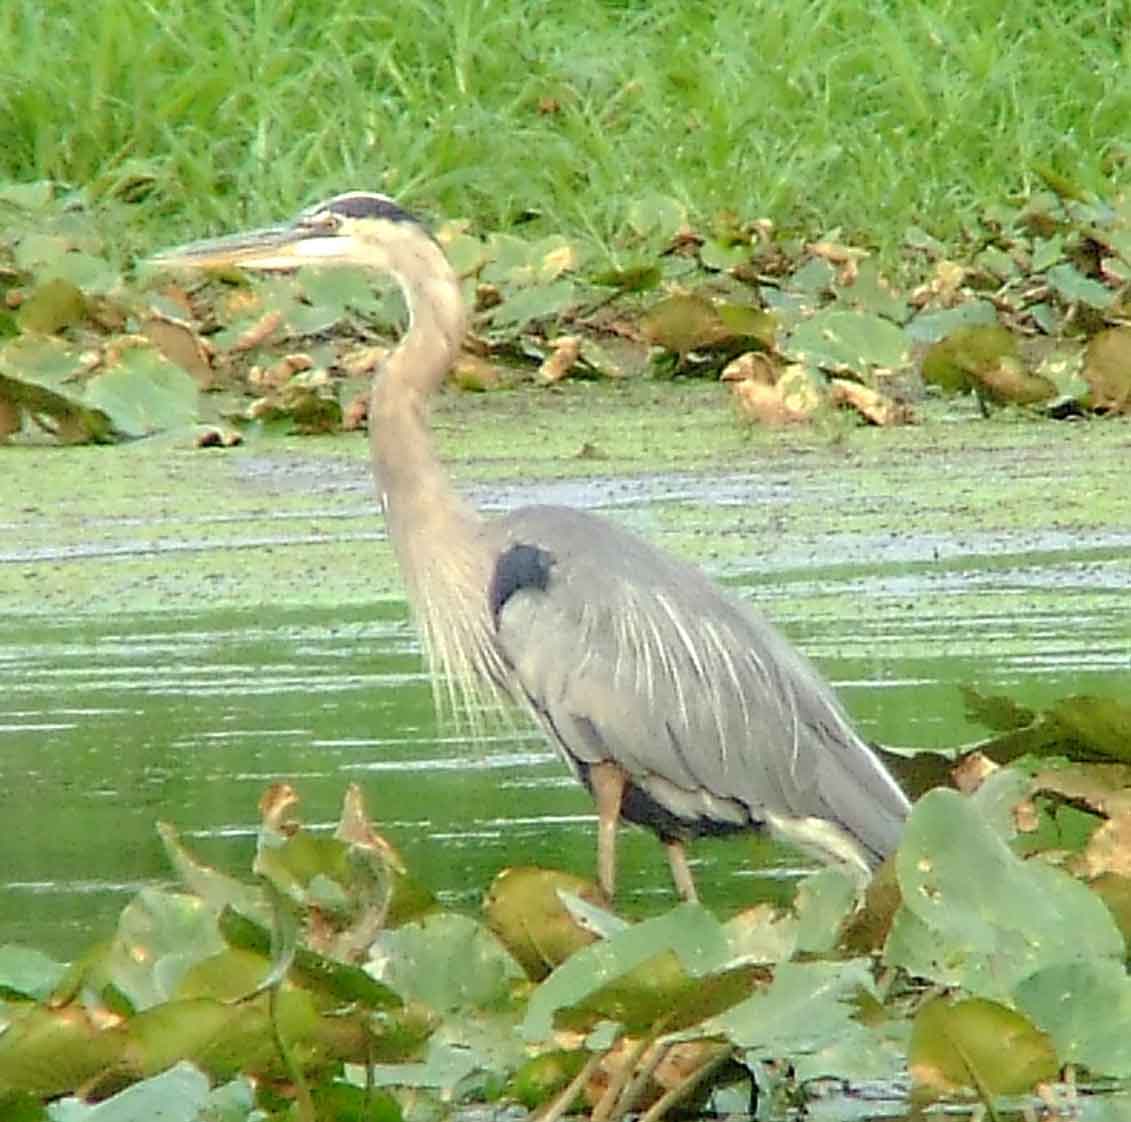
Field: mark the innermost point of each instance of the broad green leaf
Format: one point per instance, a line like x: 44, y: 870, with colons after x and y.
x: 160, y: 935
x: 26, y: 971
x: 524, y: 908
x: 870, y: 292
x: 51, y: 306
x: 177, y: 1095
x: 1085, y: 1007
x: 216, y: 889
x: 824, y: 901
x: 836, y: 339
x: 1071, y: 285
x: 343, y: 980
x: 448, y: 961
x: 693, y: 934
x: 808, y: 1016
x: 52, y: 1051
x: 144, y: 393
x: 544, y: 301
x: 721, y: 255
x: 657, y: 217
x: 986, y: 932
x: 929, y: 327
x: 1046, y: 253
x: 977, y: 1045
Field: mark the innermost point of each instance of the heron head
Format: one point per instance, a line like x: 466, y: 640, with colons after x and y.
x: 355, y: 228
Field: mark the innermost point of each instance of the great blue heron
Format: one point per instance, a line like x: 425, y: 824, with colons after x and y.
x: 676, y: 704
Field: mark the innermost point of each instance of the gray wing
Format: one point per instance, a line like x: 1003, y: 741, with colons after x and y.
x: 626, y: 653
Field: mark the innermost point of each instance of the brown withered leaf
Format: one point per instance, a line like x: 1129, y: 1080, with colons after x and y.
x: 475, y: 374
x: 1107, y: 370
x: 1109, y: 848
x: 753, y: 366
x: 182, y: 346
x: 875, y: 407
x: 972, y: 771
x: 561, y: 360
x: 1104, y: 788
x: 794, y: 397
x: 259, y: 332
x: 279, y: 373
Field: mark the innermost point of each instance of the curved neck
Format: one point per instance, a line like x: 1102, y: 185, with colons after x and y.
x: 421, y: 507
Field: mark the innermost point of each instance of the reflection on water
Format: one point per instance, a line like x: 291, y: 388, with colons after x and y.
x: 108, y: 726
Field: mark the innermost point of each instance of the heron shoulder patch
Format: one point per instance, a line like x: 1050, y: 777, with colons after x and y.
x: 518, y: 567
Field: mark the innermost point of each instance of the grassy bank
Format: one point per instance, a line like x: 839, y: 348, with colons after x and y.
x: 865, y: 114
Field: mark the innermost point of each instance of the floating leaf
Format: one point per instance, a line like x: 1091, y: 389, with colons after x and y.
x: 539, y: 302
x: 144, y: 393
x: 524, y: 909
x: 929, y: 327
x: 808, y: 1016
x: 988, y: 931
x: 871, y: 292
x: 447, y: 961
x: 177, y: 1095
x: 28, y: 972
x: 51, y: 306
x: 1071, y: 285
x: 50, y: 1052
x: 657, y: 217
x: 692, y: 935
x: 722, y: 255
x: 1085, y: 1007
x: 977, y: 1045
x: 858, y: 341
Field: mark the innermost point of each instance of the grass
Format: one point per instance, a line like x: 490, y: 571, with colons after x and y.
x: 869, y: 115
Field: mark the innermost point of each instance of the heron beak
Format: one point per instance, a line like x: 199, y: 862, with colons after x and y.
x: 276, y: 247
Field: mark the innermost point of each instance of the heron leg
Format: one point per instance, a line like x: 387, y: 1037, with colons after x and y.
x: 681, y: 871
x: 606, y: 781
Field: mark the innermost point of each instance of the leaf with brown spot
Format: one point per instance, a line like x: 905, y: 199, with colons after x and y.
x: 977, y: 1045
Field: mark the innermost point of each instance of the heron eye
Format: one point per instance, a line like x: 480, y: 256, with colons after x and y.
x: 324, y: 222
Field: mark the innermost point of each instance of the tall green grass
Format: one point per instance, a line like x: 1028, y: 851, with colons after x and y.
x: 864, y: 114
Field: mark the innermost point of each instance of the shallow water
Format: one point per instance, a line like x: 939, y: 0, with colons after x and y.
x: 109, y: 724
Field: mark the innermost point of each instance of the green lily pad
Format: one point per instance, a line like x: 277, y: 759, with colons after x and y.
x: 1085, y: 1007
x: 836, y: 339
x: 28, y: 972
x: 144, y: 393
x: 448, y: 961
x: 692, y: 936
x: 1071, y: 285
x: 977, y: 1045
x: 986, y: 932
x: 177, y: 1095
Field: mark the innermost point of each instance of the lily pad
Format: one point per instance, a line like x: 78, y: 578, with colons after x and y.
x: 836, y: 339
x: 986, y: 932
x: 980, y: 1046
x: 143, y: 393
x: 1085, y: 1007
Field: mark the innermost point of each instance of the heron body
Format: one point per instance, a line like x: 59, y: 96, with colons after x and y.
x: 679, y: 706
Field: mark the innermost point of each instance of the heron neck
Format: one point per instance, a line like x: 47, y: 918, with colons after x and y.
x: 419, y: 501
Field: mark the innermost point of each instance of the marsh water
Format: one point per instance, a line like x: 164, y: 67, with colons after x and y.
x: 110, y: 722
